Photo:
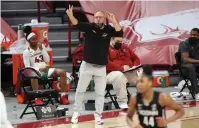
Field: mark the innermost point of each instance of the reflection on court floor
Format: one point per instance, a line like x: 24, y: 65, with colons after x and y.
x: 189, y: 120
x: 117, y: 119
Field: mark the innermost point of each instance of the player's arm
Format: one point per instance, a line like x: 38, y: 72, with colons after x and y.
x: 168, y: 102
x: 85, y: 27
x: 185, y: 54
x: 44, y: 53
x: 117, y: 30
x: 131, y: 111
x: 45, y: 57
x: 69, y: 12
x: 26, y: 58
x: 111, y: 17
x: 187, y: 59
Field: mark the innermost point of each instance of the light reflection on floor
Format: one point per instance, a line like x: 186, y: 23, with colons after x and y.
x: 117, y: 119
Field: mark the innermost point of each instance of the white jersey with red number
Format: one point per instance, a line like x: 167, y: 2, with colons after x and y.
x: 35, y: 59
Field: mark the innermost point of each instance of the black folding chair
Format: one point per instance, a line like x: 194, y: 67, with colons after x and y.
x: 186, y: 78
x: 26, y: 74
x: 113, y: 97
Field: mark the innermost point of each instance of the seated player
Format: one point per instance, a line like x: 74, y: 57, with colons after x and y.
x: 36, y: 56
x: 121, y: 58
x: 150, y: 105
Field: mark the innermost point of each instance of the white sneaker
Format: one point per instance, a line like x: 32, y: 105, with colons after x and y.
x: 123, y: 105
x: 197, y: 97
x: 74, y: 118
x: 99, y: 121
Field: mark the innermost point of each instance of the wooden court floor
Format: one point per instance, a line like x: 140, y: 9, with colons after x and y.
x: 189, y: 120
x: 117, y: 119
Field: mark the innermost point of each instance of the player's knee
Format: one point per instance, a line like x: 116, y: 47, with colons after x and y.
x: 190, y: 67
x: 118, y: 74
x: 81, y: 90
x: 61, y: 73
x: 118, y: 77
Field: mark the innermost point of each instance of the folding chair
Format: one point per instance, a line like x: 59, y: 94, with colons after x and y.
x: 28, y: 74
x: 184, y: 76
x: 113, y: 97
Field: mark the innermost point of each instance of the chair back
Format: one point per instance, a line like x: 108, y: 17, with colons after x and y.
x: 182, y: 70
x: 26, y: 74
x: 178, y: 58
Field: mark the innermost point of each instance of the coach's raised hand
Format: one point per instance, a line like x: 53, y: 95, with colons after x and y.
x: 69, y: 12
x: 112, y: 19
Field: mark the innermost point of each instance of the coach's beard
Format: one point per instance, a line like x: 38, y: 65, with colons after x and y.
x: 99, y: 25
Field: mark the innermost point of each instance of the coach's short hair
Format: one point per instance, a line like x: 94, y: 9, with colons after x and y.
x: 101, y: 12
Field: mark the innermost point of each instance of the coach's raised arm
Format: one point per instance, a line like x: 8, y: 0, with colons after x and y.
x: 85, y: 26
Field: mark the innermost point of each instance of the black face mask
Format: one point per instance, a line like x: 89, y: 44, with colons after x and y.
x: 117, y: 45
x: 192, y: 40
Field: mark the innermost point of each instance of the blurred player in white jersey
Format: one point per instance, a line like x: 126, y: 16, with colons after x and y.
x: 4, y: 123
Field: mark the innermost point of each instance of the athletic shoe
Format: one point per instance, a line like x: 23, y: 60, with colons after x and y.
x: 38, y: 101
x: 98, y: 121
x: 64, y: 100
x: 20, y: 99
x: 74, y: 118
x: 197, y: 97
x: 123, y: 105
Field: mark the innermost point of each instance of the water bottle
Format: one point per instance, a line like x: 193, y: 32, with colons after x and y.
x: 92, y: 85
x: 15, y: 112
x: 20, y: 31
x: 163, y: 78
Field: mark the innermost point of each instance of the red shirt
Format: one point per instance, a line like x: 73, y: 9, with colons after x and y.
x: 121, y: 57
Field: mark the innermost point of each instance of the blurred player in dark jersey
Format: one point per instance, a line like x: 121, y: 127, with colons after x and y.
x: 150, y: 105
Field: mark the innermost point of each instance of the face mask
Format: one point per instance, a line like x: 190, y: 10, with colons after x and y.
x: 192, y: 40
x: 117, y: 45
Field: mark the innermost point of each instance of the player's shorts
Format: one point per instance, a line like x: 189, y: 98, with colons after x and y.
x: 50, y: 72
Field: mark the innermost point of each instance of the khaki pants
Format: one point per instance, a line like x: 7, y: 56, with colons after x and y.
x: 87, y: 72
x: 119, y: 81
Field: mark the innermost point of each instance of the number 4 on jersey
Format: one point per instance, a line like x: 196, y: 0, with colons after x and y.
x: 149, y: 121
